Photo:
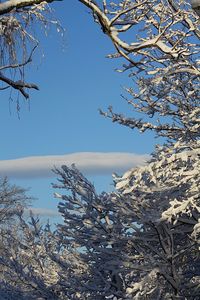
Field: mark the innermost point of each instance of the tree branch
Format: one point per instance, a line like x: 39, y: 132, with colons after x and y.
x: 13, y: 66
x: 19, y: 85
x: 8, y: 6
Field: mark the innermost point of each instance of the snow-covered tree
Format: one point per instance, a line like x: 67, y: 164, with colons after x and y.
x: 13, y: 200
x: 142, y: 240
x: 94, y: 231
x: 147, y: 233
x: 36, y: 264
x: 29, y: 272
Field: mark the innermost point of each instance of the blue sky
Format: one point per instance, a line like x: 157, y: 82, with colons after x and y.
x: 62, y: 118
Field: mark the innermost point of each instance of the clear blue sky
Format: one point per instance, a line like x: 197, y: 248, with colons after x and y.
x: 63, y: 116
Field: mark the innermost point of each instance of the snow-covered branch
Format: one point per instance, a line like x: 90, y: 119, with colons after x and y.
x: 13, y: 5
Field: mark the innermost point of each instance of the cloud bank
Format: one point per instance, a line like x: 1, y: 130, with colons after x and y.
x: 90, y: 163
x: 44, y: 212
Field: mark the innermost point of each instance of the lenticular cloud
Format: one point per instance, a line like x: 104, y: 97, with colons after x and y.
x: 90, y: 163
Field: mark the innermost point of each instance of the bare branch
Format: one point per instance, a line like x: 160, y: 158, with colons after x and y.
x: 19, y: 85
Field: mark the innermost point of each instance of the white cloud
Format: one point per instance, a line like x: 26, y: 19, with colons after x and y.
x: 90, y: 163
x: 46, y: 212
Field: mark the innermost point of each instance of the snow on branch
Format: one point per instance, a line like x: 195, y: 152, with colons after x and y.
x: 11, y: 5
